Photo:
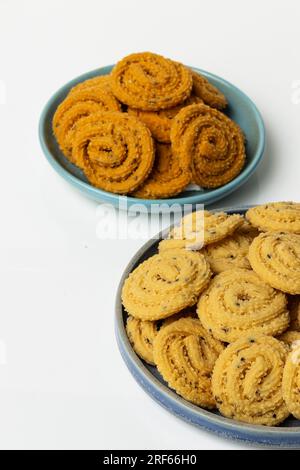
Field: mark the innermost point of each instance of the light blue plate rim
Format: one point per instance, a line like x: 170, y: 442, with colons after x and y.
x: 281, y: 437
x: 125, y: 201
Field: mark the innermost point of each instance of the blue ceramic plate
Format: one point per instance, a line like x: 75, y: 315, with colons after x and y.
x: 286, y: 436
x: 241, y: 109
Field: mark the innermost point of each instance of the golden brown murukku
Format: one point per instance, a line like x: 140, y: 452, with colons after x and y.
x: 159, y: 122
x: 165, y: 284
x: 76, y: 106
x: 150, y: 82
x: 185, y: 354
x: 238, y: 302
x: 214, y: 143
x: 169, y: 176
x: 141, y: 335
x: 229, y: 253
x: 209, y: 94
x: 291, y: 381
x: 276, y: 217
x: 115, y: 150
x: 200, y: 228
x: 247, y: 380
x: 275, y: 257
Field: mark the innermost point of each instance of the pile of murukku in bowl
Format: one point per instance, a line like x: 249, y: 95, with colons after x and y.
x: 149, y: 129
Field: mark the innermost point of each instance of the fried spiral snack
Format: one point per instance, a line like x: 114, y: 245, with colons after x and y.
x: 76, y: 106
x: 209, y: 94
x: 115, y: 150
x: 169, y: 176
x: 141, y: 335
x: 185, y: 355
x: 276, y: 217
x: 213, y: 141
x: 291, y: 381
x: 229, y: 253
x: 201, y: 228
x: 159, y: 122
x: 150, y: 82
x: 238, y: 302
x: 275, y: 257
x: 165, y: 284
x: 247, y: 380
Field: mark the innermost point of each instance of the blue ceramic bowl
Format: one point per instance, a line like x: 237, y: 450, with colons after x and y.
x: 241, y: 109
x: 286, y: 435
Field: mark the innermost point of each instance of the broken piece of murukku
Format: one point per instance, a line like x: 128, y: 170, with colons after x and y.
x: 169, y: 175
x: 247, y: 380
x: 208, y: 92
x: 165, y: 284
x: 185, y: 354
x: 275, y: 257
x: 76, y: 106
x: 276, y: 217
x: 214, y: 143
x: 238, y: 302
x: 291, y: 381
x: 159, y: 122
x: 150, y: 82
x: 115, y: 150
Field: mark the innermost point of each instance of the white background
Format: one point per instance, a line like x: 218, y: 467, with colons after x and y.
x: 64, y: 384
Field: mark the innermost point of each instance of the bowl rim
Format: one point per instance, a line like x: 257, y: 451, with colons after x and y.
x: 220, y: 424
x: 99, y: 194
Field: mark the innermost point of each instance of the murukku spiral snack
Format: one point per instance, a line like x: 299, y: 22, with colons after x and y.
x: 247, y: 380
x: 275, y: 257
x: 291, y: 381
x: 115, y: 150
x: 165, y: 284
x: 201, y: 228
x: 150, y: 82
x: 76, y: 106
x: 238, y: 302
x: 141, y: 335
x: 214, y: 143
x: 169, y: 176
x: 209, y: 94
x: 101, y: 81
x: 276, y: 217
x: 159, y: 122
x: 185, y: 355
x: 229, y: 253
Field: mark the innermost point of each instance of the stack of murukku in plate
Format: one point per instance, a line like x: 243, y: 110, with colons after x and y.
x: 217, y: 311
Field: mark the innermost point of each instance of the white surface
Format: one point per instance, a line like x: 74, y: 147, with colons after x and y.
x: 64, y: 384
